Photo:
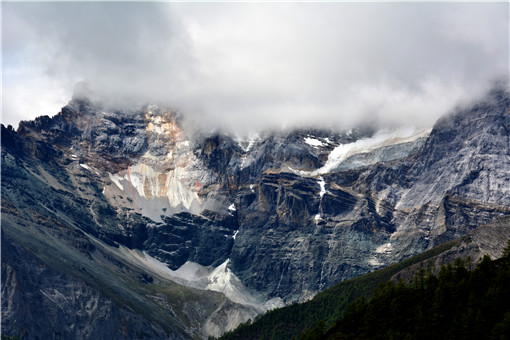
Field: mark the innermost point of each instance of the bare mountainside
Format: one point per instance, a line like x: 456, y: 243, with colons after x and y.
x: 128, y: 224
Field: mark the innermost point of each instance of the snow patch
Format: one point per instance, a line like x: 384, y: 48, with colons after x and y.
x: 116, y: 179
x: 381, y: 139
x: 235, y: 234
x: 246, y: 148
x: 313, y: 142
x: 247, y: 145
x: 250, y: 144
x: 231, y: 209
x: 85, y: 166
x: 375, y: 262
x: 322, y: 185
x: 385, y: 248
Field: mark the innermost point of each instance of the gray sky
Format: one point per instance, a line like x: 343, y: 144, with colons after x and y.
x: 256, y: 65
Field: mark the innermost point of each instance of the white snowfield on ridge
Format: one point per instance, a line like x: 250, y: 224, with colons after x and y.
x: 383, y: 138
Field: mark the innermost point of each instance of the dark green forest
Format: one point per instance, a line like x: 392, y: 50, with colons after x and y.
x: 458, y: 303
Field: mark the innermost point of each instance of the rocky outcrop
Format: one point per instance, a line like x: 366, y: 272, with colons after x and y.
x: 490, y: 239
x: 55, y: 213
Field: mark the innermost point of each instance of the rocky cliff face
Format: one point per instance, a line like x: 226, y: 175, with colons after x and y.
x: 235, y: 225
x: 490, y: 239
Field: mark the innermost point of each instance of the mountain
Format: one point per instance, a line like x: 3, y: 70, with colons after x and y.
x: 190, y: 233
x: 328, y: 307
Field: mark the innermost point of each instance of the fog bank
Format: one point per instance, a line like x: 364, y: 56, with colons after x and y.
x: 253, y: 66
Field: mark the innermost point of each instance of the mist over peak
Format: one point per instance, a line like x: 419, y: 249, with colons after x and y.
x: 246, y: 67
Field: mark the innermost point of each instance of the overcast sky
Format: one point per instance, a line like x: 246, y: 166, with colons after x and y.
x: 256, y: 65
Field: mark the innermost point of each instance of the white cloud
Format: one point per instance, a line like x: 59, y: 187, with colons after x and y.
x: 256, y: 65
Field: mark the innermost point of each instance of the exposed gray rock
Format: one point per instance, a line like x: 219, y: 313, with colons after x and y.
x: 490, y: 239
x: 39, y: 302
x: 288, y: 227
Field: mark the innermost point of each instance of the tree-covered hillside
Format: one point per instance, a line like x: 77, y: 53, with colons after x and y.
x: 462, y: 301
x: 457, y: 304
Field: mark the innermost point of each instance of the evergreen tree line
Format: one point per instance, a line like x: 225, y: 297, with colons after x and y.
x: 457, y: 304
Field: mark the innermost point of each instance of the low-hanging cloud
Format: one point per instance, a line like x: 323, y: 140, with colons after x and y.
x: 245, y: 66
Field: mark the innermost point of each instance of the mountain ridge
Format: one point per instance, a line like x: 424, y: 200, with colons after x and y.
x: 138, y: 179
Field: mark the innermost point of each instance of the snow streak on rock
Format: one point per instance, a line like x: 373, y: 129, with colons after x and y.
x: 366, y: 145
x: 85, y: 166
x: 322, y: 185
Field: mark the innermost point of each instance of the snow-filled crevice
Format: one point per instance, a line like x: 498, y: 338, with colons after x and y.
x: 247, y: 146
x: 322, y: 186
